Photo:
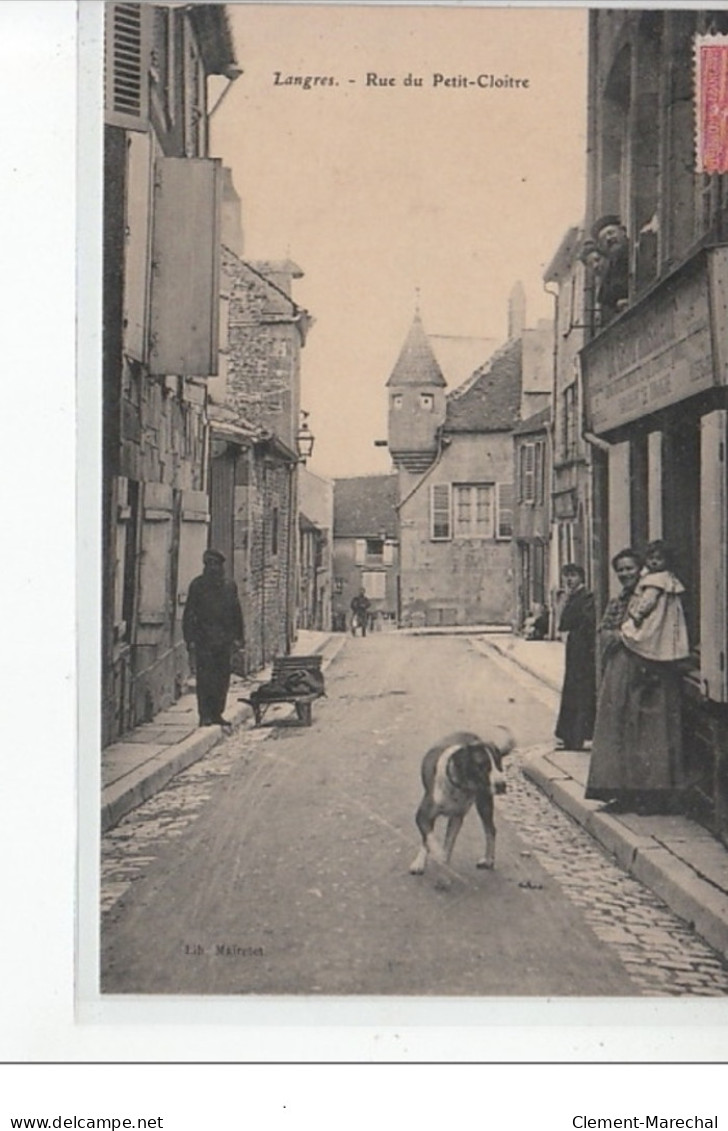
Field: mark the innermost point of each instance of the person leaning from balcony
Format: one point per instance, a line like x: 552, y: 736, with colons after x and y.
x: 636, y: 760
x: 612, y: 243
x: 360, y: 612
x: 575, y: 723
x: 212, y: 626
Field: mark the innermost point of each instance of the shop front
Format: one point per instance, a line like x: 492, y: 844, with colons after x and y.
x: 656, y: 390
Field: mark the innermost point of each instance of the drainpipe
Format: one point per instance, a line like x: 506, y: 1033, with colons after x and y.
x: 554, y: 544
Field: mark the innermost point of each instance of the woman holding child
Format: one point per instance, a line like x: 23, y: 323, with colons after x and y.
x: 636, y: 762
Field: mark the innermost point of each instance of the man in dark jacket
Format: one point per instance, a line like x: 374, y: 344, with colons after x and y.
x: 212, y: 625
x: 360, y: 612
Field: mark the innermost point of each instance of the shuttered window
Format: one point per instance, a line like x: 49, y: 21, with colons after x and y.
x: 504, y: 505
x: 185, y: 291
x: 155, y: 563
x: 375, y: 584
x: 526, y: 473
x: 192, y: 542
x: 440, y: 519
x: 127, y: 65
x: 532, y: 471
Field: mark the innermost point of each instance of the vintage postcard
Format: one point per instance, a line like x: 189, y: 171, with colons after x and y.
x: 413, y: 609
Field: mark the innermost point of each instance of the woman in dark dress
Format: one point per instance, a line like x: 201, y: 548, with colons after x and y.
x: 575, y: 723
x: 636, y: 760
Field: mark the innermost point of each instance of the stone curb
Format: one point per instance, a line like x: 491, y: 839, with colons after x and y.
x: 554, y: 684
x: 122, y: 797
x: 694, y: 899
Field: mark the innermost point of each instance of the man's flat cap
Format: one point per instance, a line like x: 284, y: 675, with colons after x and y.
x: 213, y: 556
x: 605, y: 222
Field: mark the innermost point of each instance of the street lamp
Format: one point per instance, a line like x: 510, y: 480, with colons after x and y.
x: 304, y: 439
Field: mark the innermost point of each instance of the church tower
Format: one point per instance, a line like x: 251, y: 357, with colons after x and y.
x: 416, y: 391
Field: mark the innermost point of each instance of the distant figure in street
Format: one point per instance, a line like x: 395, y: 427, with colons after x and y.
x: 536, y: 624
x: 575, y: 723
x: 212, y: 625
x: 360, y: 612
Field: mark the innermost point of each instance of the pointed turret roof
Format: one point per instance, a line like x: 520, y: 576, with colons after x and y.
x: 417, y: 364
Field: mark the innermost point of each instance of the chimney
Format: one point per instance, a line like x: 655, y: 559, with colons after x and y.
x: 516, y: 311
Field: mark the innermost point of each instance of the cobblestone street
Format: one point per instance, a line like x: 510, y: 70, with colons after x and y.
x: 660, y: 953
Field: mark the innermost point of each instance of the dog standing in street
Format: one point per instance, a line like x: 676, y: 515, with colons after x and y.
x: 458, y: 771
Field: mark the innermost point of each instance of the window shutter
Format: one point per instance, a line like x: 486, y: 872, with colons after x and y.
x: 127, y: 65
x: 388, y: 553
x: 136, y: 256
x: 528, y: 470
x: 192, y: 541
x: 374, y: 583
x: 440, y: 512
x: 155, y: 612
x: 504, y: 504
x: 538, y: 471
x: 713, y: 547
x: 360, y: 551
x: 123, y: 516
x: 185, y: 294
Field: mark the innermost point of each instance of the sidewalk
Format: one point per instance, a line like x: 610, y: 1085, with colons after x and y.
x: 144, y: 760
x: 675, y: 857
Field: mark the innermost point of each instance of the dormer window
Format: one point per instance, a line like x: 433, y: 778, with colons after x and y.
x: 427, y: 402
x: 397, y: 402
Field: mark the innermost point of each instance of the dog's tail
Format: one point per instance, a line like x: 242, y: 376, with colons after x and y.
x: 504, y: 740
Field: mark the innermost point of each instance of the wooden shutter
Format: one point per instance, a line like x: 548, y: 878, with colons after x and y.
x: 127, y: 42
x: 192, y: 541
x: 156, y: 562
x: 185, y: 295
x: 121, y: 529
x: 713, y: 549
x: 360, y: 551
x: 539, y: 471
x: 136, y: 255
x: 504, y: 507
x: 528, y: 468
x: 388, y: 553
x: 440, y: 512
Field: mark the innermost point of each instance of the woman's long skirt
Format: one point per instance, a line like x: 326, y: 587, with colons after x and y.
x: 575, y: 723
x: 637, y: 746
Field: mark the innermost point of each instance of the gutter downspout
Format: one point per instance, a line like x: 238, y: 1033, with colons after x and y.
x: 554, y: 542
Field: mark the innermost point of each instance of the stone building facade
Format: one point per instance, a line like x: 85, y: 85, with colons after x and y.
x: 161, y: 214
x: 655, y: 366
x: 366, y: 547
x: 454, y: 458
x: 254, y: 410
x: 572, y: 527
x: 316, y: 533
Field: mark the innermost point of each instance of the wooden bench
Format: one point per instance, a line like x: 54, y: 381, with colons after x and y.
x: 294, y: 679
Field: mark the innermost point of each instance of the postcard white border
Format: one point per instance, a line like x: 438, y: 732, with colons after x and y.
x: 54, y: 1014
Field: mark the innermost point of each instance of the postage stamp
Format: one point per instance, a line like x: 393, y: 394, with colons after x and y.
x: 711, y: 103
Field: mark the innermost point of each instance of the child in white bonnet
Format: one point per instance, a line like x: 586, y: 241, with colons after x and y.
x: 655, y: 627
